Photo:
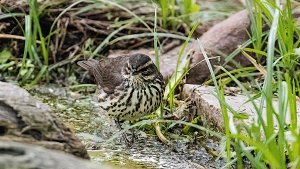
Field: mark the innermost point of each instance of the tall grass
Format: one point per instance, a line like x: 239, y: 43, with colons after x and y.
x: 35, y: 64
x: 33, y: 34
x: 171, y: 17
x: 272, y: 139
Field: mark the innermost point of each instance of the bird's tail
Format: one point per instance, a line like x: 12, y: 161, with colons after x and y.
x: 94, y: 67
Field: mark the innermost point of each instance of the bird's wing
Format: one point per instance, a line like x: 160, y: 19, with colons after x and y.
x: 107, y: 72
x: 94, y: 68
x: 113, y: 71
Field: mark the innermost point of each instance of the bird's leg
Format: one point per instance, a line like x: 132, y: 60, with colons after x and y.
x: 132, y: 133
x: 124, y: 135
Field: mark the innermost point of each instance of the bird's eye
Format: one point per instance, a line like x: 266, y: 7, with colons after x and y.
x: 146, y: 72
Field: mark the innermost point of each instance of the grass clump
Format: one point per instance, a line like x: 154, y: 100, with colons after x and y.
x: 271, y: 139
x: 52, y: 39
x: 172, y: 17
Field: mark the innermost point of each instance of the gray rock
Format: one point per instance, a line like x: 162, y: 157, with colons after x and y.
x: 25, y: 119
x: 15, y: 155
x: 209, y: 109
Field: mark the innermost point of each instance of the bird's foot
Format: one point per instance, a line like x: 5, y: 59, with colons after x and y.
x: 128, y: 142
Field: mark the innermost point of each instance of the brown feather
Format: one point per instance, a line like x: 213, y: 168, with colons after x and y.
x: 107, y: 72
x: 94, y: 68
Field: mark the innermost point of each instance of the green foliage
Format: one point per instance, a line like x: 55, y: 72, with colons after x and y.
x: 180, y: 71
x: 5, y: 63
x: 188, y: 129
x: 286, y: 57
x: 187, y: 8
x: 164, y: 6
x: 34, y: 65
x: 171, y: 17
x: 272, y: 139
x: 33, y: 32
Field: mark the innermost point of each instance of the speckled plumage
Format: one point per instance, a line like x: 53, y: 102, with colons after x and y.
x: 129, y: 86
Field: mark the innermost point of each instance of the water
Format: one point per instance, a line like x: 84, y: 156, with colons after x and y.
x: 95, y: 129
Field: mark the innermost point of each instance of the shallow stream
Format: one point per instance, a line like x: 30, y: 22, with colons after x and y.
x: 95, y: 129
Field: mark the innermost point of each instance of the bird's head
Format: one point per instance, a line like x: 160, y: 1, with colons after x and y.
x: 140, y: 69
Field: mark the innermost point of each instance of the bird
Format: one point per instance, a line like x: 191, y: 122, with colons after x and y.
x: 129, y: 86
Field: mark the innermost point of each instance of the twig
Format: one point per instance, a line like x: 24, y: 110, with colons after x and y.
x: 9, y: 36
x: 160, y: 135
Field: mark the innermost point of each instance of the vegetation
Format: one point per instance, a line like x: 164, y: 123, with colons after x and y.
x: 169, y: 15
x: 43, y: 40
x: 270, y: 141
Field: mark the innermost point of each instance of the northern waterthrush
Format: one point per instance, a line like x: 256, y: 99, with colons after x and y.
x: 129, y: 86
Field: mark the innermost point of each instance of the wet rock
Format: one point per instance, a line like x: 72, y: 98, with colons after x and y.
x: 24, y: 156
x: 208, y: 105
x: 25, y: 119
x: 55, y: 90
x: 149, y: 153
